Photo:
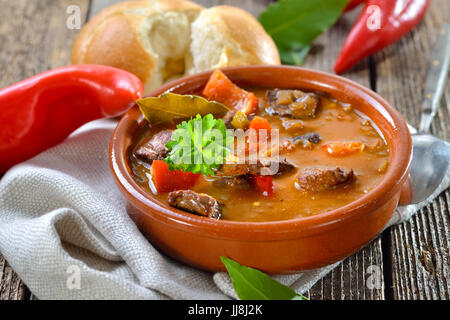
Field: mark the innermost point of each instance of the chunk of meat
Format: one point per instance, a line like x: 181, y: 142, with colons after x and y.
x: 312, y: 137
x: 269, y: 166
x: 228, y: 119
x: 234, y: 182
x: 234, y: 169
x: 197, y: 203
x: 292, y: 103
x: 155, y: 148
x: 292, y: 125
x: 307, y: 140
x: 284, y: 147
x: 321, y: 179
x: 261, y: 167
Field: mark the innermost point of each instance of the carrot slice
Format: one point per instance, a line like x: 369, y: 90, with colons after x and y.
x: 259, y: 123
x: 165, y: 180
x: 342, y: 149
x: 219, y: 88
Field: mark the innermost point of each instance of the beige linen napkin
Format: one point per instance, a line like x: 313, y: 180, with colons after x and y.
x: 65, y: 231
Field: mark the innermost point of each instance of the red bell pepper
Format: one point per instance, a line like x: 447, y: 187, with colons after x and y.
x: 264, y: 184
x: 165, y: 180
x: 219, y: 88
x: 41, y: 111
x: 381, y: 23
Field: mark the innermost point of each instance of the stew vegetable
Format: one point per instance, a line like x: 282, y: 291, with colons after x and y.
x: 328, y: 155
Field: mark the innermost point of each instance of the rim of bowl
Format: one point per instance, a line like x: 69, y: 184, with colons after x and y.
x: 394, y: 178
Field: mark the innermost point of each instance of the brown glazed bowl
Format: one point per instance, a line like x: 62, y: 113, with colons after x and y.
x: 277, y: 246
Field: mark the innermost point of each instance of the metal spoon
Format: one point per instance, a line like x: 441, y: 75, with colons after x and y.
x: 431, y: 156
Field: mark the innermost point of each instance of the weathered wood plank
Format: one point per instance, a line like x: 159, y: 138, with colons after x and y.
x: 253, y: 6
x: 99, y: 5
x: 33, y: 38
x: 420, y: 248
x: 350, y: 280
x: 11, y: 287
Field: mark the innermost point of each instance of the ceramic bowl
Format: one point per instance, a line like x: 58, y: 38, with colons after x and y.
x: 277, y: 246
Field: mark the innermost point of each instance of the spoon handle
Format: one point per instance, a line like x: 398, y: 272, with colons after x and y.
x: 436, y: 78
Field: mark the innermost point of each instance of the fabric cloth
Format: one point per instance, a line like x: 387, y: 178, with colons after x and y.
x: 65, y: 231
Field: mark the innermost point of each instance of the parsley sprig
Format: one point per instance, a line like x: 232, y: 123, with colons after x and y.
x: 199, y: 145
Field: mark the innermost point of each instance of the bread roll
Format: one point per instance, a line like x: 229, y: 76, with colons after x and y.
x: 225, y: 36
x: 159, y: 40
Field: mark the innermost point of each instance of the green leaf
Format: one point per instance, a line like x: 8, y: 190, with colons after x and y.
x: 252, y: 284
x: 170, y: 107
x: 199, y: 145
x: 295, y: 24
x: 295, y: 56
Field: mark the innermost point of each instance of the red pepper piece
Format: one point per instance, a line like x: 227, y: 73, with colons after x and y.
x: 353, y: 4
x: 395, y: 17
x: 219, y: 88
x: 41, y: 111
x: 165, y: 180
x: 263, y: 184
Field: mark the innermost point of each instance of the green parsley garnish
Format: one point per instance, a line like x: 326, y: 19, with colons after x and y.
x: 199, y: 145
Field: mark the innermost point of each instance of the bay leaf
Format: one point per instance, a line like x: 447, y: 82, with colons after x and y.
x: 170, y: 107
x: 252, y: 284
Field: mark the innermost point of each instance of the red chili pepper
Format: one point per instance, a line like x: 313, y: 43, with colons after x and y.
x: 41, y: 111
x: 381, y: 23
x: 353, y: 4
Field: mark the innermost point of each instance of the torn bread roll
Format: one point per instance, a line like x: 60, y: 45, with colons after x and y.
x: 161, y: 40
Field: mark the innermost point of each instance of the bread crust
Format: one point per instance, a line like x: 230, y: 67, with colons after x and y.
x: 241, y: 27
x: 112, y: 37
x: 115, y: 37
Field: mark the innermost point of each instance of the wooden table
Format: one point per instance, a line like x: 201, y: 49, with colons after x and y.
x: 412, y: 259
